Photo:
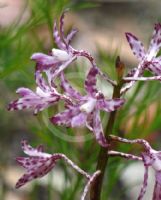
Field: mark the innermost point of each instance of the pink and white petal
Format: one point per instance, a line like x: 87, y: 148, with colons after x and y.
x: 79, y: 120
x: 63, y: 66
x: 136, y: 46
x: 24, y: 91
x: 41, y: 82
x: 31, y: 162
x: 44, y: 59
x: 57, y: 38
x: 155, y: 43
x: 98, y: 129
x: 155, y: 66
x: 24, y: 179
x: 62, y: 28
x: 34, y: 152
x: 37, y: 171
x: 68, y: 89
x: 65, y: 118
x: 90, y: 82
x: 109, y: 105
x: 24, y: 102
x: 71, y: 35
x: 33, y: 101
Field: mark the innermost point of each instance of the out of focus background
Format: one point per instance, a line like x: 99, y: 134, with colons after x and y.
x: 26, y: 27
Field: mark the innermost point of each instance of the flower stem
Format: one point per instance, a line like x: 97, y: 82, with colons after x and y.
x: 95, y: 192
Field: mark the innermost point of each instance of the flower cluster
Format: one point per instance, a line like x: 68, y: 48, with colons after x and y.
x: 84, y: 110
x: 81, y: 110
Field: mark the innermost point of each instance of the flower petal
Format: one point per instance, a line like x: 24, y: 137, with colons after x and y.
x: 57, y: 38
x: 155, y: 43
x: 90, y: 82
x: 70, y: 35
x: 44, y: 59
x: 34, y: 152
x: 65, y: 118
x: 69, y: 90
x: 41, y: 82
x: 61, y: 67
x: 155, y: 66
x: 37, y: 101
x: 37, y: 170
x: 109, y: 105
x: 30, y: 162
x: 23, y: 91
x: 136, y: 46
x: 79, y: 120
x: 97, y: 129
x: 38, y: 165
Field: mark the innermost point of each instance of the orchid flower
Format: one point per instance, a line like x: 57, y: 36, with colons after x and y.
x: 39, y: 163
x: 85, y: 110
x: 147, y: 60
x: 60, y: 58
x: 44, y: 96
x: 149, y: 157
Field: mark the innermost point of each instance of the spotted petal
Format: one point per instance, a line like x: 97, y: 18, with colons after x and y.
x: 109, y: 105
x: 97, y: 129
x: 44, y: 59
x: 90, y: 82
x: 155, y: 66
x: 79, y: 120
x: 155, y: 43
x: 37, y: 169
x: 71, y: 35
x: 37, y: 165
x: 57, y: 38
x: 62, y: 67
x: 34, y: 152
x: 41, y: 82
x: 65, y: 118
x: 68, y: 89
x: 136, y: 46
x: 36, y: 101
